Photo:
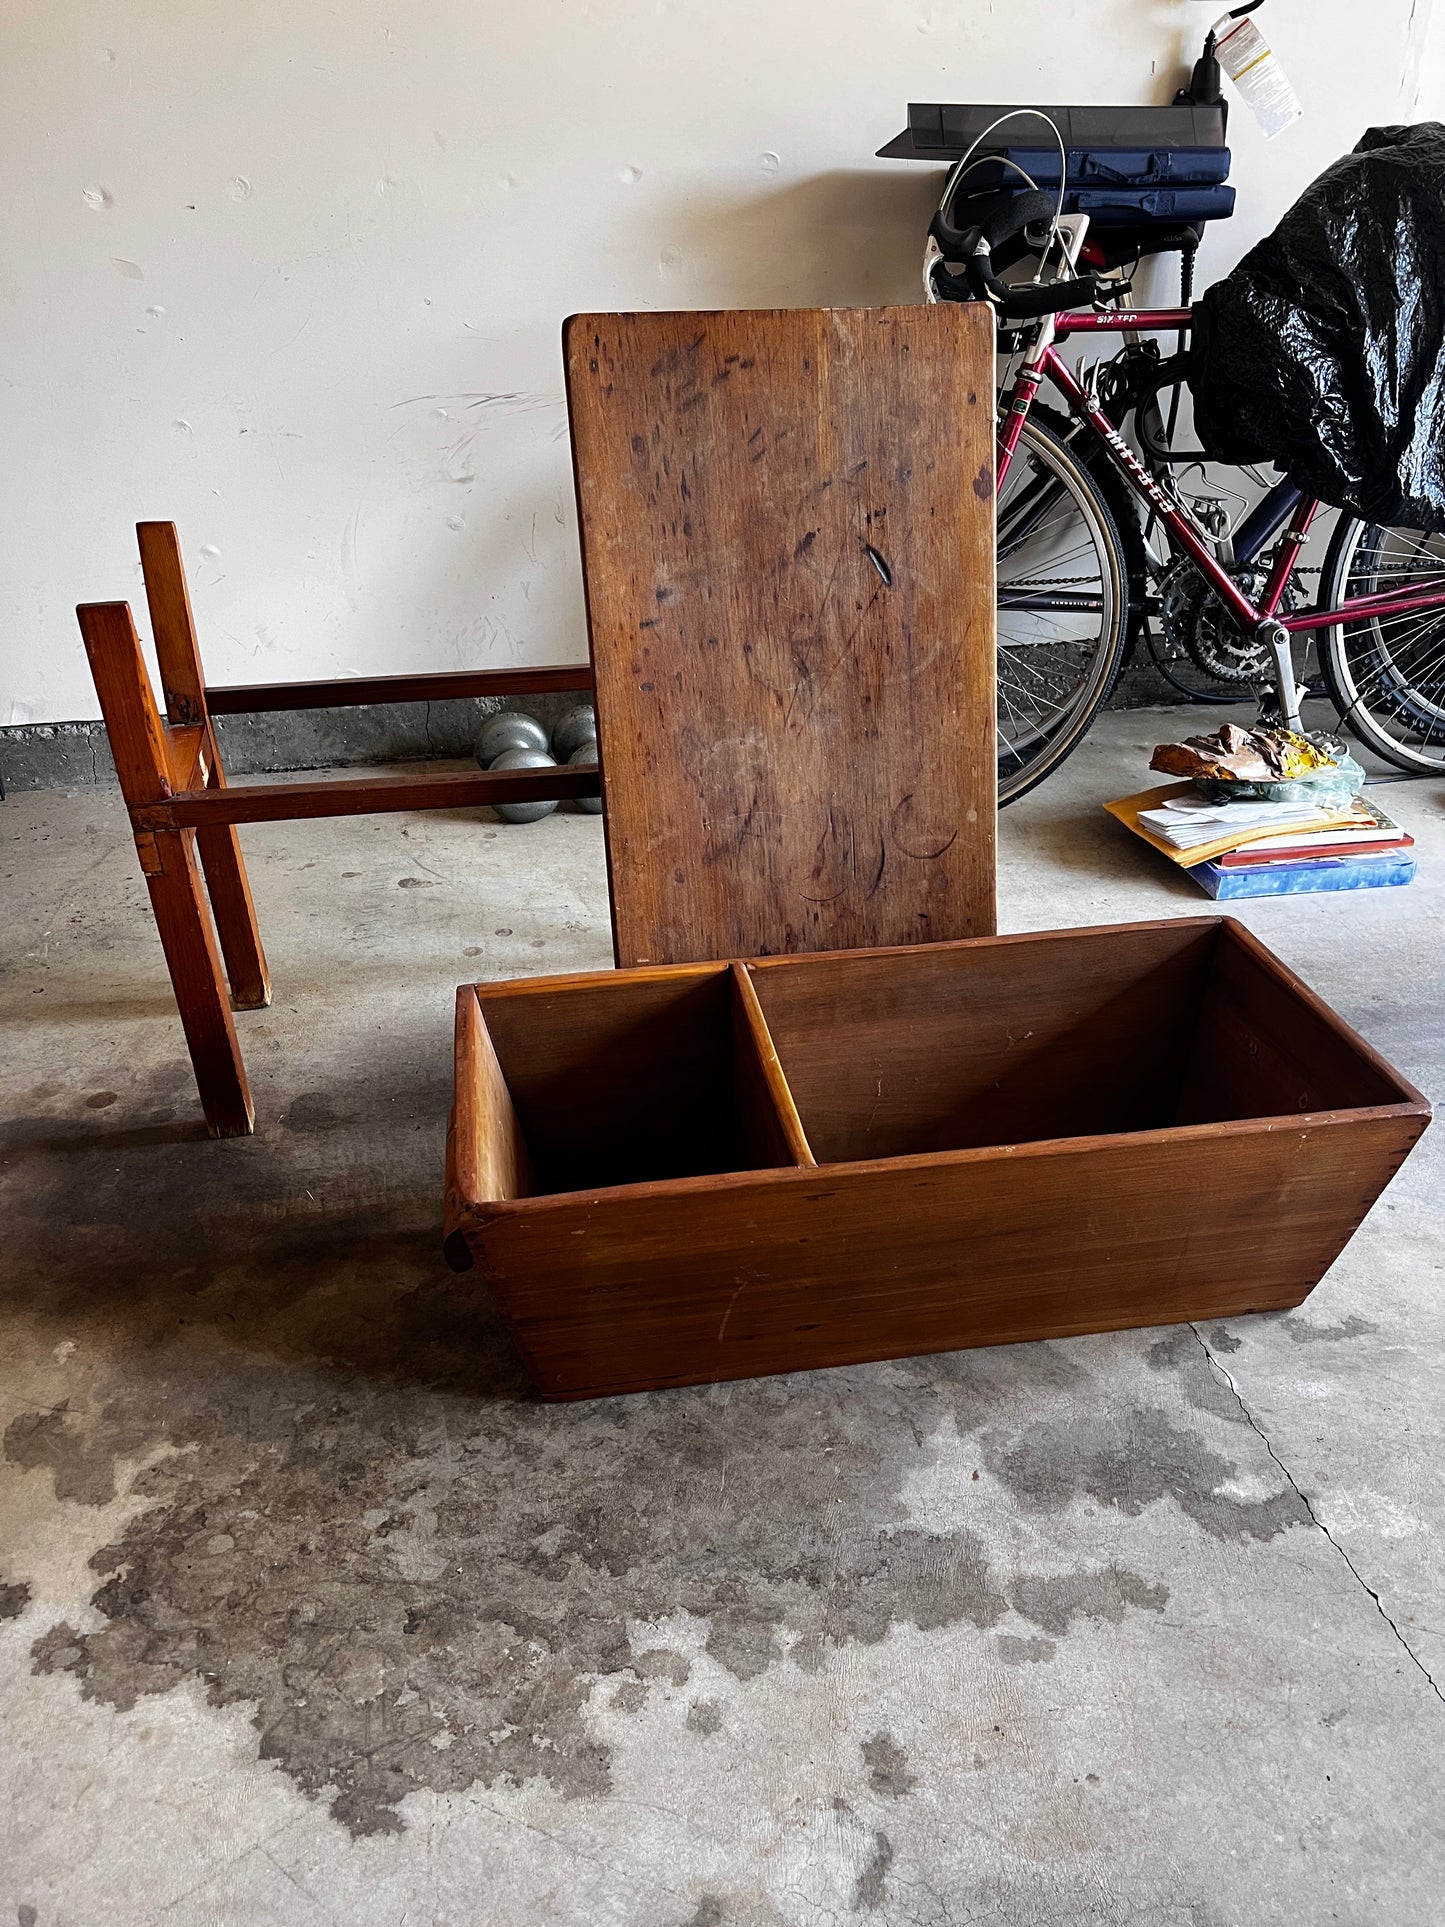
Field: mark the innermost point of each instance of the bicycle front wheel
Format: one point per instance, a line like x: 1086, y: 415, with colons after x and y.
x: 1063, y: 614
x: 1386, y: 675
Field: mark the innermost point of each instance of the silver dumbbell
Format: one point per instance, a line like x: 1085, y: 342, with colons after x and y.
x: 583, y: 757
x: 508, y: 729
x: 575, y: 727
x: 523, y: 759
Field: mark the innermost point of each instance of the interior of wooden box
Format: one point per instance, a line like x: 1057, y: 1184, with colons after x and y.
x: 623, y: 1079
x: 1262, y: 1049
x: 1069, y: 1035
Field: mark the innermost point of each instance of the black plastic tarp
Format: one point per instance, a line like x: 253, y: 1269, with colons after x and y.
x: 1324, y: 350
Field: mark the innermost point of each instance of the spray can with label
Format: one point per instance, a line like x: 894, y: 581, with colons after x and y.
x: 1249, y: 60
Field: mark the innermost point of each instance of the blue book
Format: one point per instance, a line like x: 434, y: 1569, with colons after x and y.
x: 1382, y: 871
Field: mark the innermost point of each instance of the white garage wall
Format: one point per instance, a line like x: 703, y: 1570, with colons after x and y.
x: 291, y: 273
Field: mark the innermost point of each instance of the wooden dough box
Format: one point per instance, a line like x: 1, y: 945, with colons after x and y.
x: 711, y: 1171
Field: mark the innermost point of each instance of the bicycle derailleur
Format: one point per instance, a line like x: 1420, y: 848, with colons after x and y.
x: 1196, y: 621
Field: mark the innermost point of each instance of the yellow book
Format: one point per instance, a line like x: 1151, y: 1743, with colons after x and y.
x: 1128, y: 808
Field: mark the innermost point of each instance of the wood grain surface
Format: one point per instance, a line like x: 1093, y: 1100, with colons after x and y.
x: 1057, y: 1034
x: 1214, y: 1159
x: 763, y: 1091
x: 257, y: 802
x: 622, y: 1079
x: 138, y: 743
x: 790, y: 1270
x: 178, y: 656
x: 450, y: 685
x: 181, y: 808
x: 787, y: 539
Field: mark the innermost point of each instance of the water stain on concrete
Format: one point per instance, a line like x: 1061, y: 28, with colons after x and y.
x: 704, y: 1717
x: 1181, y: 1352
x: 869, y: 1893
x: 442, y: 1613
x: 1053, y: 1603
x: 887, y: 1765
x: 312, y: 1111
x: 660, y: 1663
x: 1131, y: 1459
x: 80, y: 1458
x: 1014, y: 1651
x: 1304, y: 1333
x: 354, y: 1519
x: 14, y: 1598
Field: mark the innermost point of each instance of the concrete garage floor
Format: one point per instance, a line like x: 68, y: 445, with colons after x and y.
x: 311, y: 1615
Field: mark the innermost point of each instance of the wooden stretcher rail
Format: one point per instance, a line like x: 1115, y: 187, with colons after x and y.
x: 241, y: 699
x: 363, y: 796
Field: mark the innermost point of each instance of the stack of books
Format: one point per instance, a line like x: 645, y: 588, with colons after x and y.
x: 1252, y: 849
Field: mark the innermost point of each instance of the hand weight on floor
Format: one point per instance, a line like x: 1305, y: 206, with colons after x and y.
x: 575, y: 727
x: 524, y: 759
x: 585, y: 756
x: 508, y: 729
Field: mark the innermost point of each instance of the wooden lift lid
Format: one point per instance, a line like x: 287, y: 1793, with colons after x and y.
x: 787, y: 522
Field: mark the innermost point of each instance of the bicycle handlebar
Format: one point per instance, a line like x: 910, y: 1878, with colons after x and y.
x: 974, y: 247
x: 1008, y: 217
x: 1028, y: 303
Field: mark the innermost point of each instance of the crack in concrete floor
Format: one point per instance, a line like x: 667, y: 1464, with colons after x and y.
x: 1315, y: 1520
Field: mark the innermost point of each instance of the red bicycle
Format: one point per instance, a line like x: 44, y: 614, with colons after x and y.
x: 1096, y: 540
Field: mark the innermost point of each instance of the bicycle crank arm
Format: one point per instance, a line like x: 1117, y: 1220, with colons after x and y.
x: 1276, y: 638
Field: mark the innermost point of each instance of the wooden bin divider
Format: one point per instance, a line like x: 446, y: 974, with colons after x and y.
x: 771, y: 1094
x: 489, y: 1161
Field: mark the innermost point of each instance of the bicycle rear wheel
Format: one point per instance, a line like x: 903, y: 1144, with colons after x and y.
x: 1063, y: 609
x: 1386, y: 675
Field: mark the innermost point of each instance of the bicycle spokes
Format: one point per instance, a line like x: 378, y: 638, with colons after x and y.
x: 1392, y: 667
x: 1059, y: 601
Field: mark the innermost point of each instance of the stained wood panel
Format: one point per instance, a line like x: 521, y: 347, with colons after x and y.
x: 1266, y: 1046
x: 1213, y: 1158
x: 617, y: 1080
x: 787, y: 536
x: 793, y: 1270
x: 944, y: 1048
x: 138, y: 741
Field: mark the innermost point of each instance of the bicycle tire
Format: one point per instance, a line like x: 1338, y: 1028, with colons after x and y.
x: 1027, y: 756
x: 1123, y: 504
x: 1386, y: 675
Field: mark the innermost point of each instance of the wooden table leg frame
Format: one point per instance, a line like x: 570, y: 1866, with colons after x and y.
x: 674, y: 1176
x: 183, y: 815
